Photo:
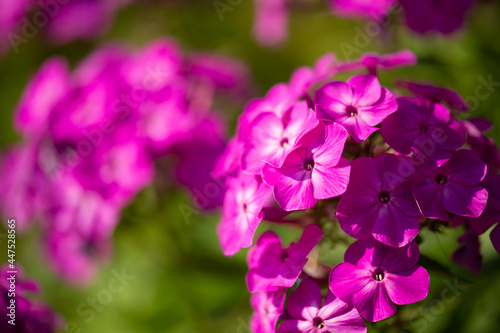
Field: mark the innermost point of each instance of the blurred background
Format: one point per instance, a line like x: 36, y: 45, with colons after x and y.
x: 174, y: 276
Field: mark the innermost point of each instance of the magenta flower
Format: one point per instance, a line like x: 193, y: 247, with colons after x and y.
x: 424, y: 128
x: 358, y: 105
x: 267, y: 307
x: 491, y: 213
x: 435, y: 94
x: 444, y: 16
x: 372, y: 62
x: 453, y: 187
x: 241, y: 212
x: 31, y: 316
x: 270, y: 26
x: 312, y: 171
x: 272, y: 138
x: 481, y: 144
x: 374, y: 277
x: 49, y: 85
x: 304, y: 306
x: 272, y: 266
x: 371, y: 10
x: 379, y: 202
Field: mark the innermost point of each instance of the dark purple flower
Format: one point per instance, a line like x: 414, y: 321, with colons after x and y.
x: 453, y: 187
x: 310, y: 315
x: 424, y: 129
x: 444, y: 16
x: 436, y: 94
x: 31, y: 316
x: 379, y: 202
x: 468, y: 254
x: 358, y: 105
x: 374, y: 277
x: 272, y: 266
x: 313, y: 170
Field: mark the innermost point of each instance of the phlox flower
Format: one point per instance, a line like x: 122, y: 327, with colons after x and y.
x: 453, y: 187
x: 270, y: 26
x: 424, y: 129
x: 371, y: 10
x: 468, y: 254
x: 272, y: 138
x: 373, y: 62
x: 267, y: 307
x: 375, y: 276
x: 358, y: 105
x: 312, y: 171
x: 241, y: 212
x: 310, y: 315
x: 379, y: 201
x: 272, y: 266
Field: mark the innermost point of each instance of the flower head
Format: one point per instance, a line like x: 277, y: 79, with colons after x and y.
x: 358, y: 105
x: 379, y: 202
x: 272, y: 266
x: 310, y: 315
x: 424, y: 129
x: 374, y: 277
x: 313, y: 170
x: 453, y: 187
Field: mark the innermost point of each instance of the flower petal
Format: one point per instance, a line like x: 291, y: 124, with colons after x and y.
x: 407, y: 287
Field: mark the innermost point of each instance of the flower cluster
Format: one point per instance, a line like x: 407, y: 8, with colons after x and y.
x: 62, y: 20
x: 91, y: 137
x: 313, y: 152
x: 27, y: 315
x: 422, y: 16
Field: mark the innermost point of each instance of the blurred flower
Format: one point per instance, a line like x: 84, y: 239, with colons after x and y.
x: 268, y: 307
x: 304, y: 306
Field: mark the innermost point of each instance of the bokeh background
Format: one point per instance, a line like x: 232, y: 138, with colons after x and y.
x: 181, y: 281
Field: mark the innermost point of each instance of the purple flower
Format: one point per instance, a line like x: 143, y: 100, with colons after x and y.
x: 11, y: 14
x: 270, y: 26
x: 435, y: 94
x: 372, y: 62
x: 374, y: 277
x: 453, y: 187
x: 358, y: 105
x: 312, y: 171
x: 31, y: 316
x: 272, y: 138
x: 241, y: 212
x: 468, y: 254
x: 272, y: 266
x: 444, y: 16
x: 371, y: 10
x: 267, y: 307
x: 424, y: 128
x: 304, y: 306
x: 379, y: 202
x: 482, y: 145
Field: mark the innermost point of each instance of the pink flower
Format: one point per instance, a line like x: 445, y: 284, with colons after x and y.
x: 372, y: 62
x: 424, y: 129
x: 268, y: 307
x: 371, y: 10
x: 47, y: 88
x: 374, y: 277
x: 31, y: 316
x: 241, y: 212
x: 312, y: 171
x: 453, y: 187
x: 379, y: 202
x: 272, y: 266
x: 272, y: 138
x: 304, y: 306
x: 270, y: 26
x: 358, y: 105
